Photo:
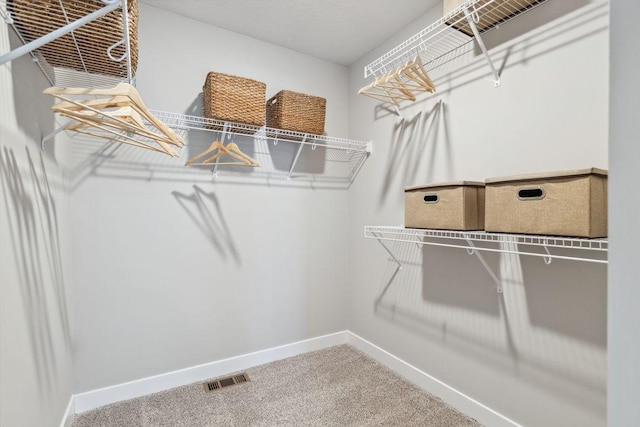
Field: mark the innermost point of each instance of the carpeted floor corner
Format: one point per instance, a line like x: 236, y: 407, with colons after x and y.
x: 338, y: 386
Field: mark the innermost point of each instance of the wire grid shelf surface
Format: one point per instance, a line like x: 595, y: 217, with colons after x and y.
x: 322, y: 158
x: 100, y: 53
x: 518, y: 243
x: 181, y: 121
x: 450, y: 36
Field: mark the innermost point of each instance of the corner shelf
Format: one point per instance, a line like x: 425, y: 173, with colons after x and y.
x: 451, y: 36
x: 346, y: 156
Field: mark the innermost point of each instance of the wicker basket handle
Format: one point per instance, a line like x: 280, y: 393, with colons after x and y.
x: 272, y: 100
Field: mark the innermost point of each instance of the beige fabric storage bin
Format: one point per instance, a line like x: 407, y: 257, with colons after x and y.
x: 447, y: 206
x: 495, y: 13
x: 569, y: 203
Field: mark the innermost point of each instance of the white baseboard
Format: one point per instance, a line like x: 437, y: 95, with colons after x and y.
x: 104, y: 396
x: 67, y: 419
x: 453, y: 397
x: 93, y: 399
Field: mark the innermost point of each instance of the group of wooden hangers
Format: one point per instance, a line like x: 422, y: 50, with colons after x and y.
x: 220, y: 149
x: 401, y: 83
x: 119, y: 114
x: 116, y: 113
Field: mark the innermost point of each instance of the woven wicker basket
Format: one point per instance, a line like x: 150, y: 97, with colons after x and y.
x: 235, y: 99
x: 36, y: 18
x: 297, y: 112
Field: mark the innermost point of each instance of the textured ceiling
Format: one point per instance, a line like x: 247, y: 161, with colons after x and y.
x: 340, y: 31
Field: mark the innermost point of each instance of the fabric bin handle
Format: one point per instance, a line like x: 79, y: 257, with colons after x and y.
x: 430, y: 198
x: 530, y: 193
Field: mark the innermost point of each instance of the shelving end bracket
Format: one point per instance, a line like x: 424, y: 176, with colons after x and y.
x: 369, y: 148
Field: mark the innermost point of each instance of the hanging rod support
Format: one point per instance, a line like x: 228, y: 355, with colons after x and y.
x: 471, y: 250
x: 547, y: 259
x: 7, y: 18
x: 295, y: 159
x: 37, y: 43
x: 222, y: 137
x: 476, y: 34
x: 51, y: 135
x: 379, y: 239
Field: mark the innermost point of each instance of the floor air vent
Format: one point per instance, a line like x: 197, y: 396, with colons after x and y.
x: 225, y: 382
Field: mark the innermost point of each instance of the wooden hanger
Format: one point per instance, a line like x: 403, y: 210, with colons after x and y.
x: 125, y: 90
x: 399, y: 84
x: 122, y: 125
x: 380, y: 91
x: 393, y: 83
x: 418, y: 76
x: 235, y: 151
x: 88, y: 125
x: 219, y: 149
x: 120, y: 97
x: 124, y: 118
x: 111, y: 112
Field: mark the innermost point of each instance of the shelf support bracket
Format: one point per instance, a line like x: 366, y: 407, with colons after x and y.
x: 295, y: 159
x: 547, y: 259
x: 39, y: 42
x: 476, y: 34
x: 51, y: 135
x: 471, y: 250
x: 222, y: 137
x: 378, y: 237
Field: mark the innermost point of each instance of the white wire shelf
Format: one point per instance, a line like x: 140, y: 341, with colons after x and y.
x: 335, y: 160
x: 79, y: 43
x: 451, y: 36
x: 182, y: 121
x: 547, y: 247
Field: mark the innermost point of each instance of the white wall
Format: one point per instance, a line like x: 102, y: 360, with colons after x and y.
x: 173, y: 269
x: 537, y: 353
x: 624, y: 292
x: 35, y: 313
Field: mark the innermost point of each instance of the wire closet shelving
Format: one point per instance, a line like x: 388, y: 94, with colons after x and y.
x: 476, y: 242
x: 451, y: 36
x: 93, y: 44
x: 344, y: 156
x: 83, y: 43
x: 522, y: 244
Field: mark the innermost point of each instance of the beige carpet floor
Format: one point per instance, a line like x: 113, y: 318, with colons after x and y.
x: 338, y: 386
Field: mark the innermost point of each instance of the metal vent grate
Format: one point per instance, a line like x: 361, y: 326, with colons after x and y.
x: 225, y: 382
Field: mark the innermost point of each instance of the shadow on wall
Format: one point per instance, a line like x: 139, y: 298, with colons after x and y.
x: 414, y: 142
x: 445, y: 274
x: 33, y: 108
x: 550, y: 332
x: 34, y: 233
x: 204, y: 210
x: 542, y: 24
x: 570, y: 302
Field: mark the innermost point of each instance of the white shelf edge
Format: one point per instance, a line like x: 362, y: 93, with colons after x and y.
x: 460, y: 239
x: 188, y: 122
x: 419, y: 42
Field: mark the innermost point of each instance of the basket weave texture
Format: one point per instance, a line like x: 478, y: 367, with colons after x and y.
x: 297, y: 112
x: 36, y: 18
x: 235, y: 99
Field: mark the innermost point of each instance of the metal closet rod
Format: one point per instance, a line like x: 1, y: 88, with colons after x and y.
x: 111, y: 5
